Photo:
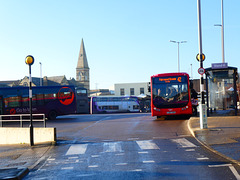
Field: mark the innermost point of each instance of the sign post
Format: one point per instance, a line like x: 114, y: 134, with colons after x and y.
x: 200, y: 58
x: 29, y: 61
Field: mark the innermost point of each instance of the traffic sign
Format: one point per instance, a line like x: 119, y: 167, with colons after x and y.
x: 201, y: 71
x: 202, y: 57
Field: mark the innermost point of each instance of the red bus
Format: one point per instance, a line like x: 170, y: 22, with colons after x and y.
x: 49, y: 100
x: 170, y: 95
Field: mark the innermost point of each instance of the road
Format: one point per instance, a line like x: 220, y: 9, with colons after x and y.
x: 128, y: 146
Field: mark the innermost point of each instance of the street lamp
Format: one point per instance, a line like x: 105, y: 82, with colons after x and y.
x: 191, y: 72
x: 221, y: 25
x: 29, y: 60
x: 41, y: 83
x: 178, y: 42
x: 201, y: 57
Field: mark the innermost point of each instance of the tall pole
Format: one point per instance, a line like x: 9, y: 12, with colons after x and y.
x: 191, y: 71
x: 223, y: 56
x: 222, y: 33
x: 41, y: 83
x: 30, y: 60
x: 178, y: 42
x: 203, y: 118
x: 178, y: 58
x: 30, y: 107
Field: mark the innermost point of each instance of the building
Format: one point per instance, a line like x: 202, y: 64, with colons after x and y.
x: 47, y: 81
x: 101, y: 92
x: 132, y: 89
x: 9, y: 83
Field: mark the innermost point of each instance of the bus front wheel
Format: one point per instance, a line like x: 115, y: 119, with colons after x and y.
x: 52, y: 115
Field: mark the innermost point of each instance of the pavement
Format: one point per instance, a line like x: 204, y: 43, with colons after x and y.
x: 222, y: 137
x: 18, y: 160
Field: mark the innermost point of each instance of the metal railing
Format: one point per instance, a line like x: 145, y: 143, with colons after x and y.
x: 22, y: 118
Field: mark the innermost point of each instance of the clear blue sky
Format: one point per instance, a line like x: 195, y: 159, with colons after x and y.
x: 125, y: 40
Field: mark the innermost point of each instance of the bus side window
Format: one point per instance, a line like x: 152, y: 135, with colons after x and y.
x: 25, y: 101
x: 14, y: 101
x: 49, y: 97
x: 81, y: 92
x: 1, y: 105
x: 34, y: 100
x: 40, y: 99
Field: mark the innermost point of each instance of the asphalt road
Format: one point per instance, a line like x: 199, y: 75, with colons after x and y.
x: 128, y: 146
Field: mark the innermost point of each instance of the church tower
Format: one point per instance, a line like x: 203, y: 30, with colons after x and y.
x: 82, y: 70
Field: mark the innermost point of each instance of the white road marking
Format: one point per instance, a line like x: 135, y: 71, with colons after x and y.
x: 137, y: 170
x: 234, y: 171
x: 77, y: 149
x: 143, y: 152
x: 67, y: 168
x: 150, y: 161
x: 84, y: 175
x: 75, y: 157
x: 95, y: 156
x: 121, y: 164
x: 51, y: 159
x: 112, y: 147
x: 148, y: 144
x: 203, y: 158
x: 93, y: 166
x: 184, y: 143
x: 219, y: 165
x: 190, y: 150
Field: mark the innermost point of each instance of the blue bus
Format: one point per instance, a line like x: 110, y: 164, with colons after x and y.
x: 52, y: 101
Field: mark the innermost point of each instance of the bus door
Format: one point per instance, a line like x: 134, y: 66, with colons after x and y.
x: 1, y: 105
x: 124, y: 106
x: 130, y: 105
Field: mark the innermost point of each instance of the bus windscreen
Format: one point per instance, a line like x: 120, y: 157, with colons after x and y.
x: 170, y: 92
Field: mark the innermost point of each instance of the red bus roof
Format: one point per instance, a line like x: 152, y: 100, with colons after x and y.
x: 170, y: 74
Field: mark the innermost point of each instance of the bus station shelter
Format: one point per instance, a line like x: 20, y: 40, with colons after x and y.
x: 221, y: 88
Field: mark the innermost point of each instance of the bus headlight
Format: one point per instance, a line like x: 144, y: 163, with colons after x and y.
x: 185, y: 108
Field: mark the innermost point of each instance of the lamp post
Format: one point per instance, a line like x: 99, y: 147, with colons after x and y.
x: 201, y: 57
x: 41, y: 83
x: 178, y: 42
x: 222, y: 29
x: 191, y: 72
x: 29, y: 60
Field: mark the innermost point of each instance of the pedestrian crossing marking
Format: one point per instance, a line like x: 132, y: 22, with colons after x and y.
x: 112, y: 147
x: 147, y: 144
x: 77, y: 149
x: 184, y: 143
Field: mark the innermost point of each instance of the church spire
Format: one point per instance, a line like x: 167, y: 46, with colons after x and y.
x: 82, y: 70
x: 82, y: 58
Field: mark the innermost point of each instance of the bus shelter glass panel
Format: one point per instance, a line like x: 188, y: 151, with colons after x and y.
x: 221, y: 89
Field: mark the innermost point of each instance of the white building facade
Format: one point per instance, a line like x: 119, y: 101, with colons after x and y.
x: 131, y: 89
